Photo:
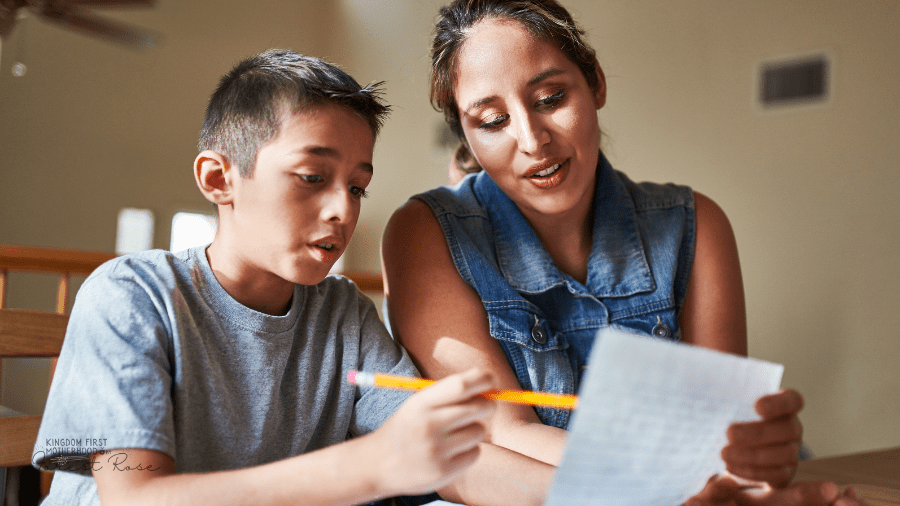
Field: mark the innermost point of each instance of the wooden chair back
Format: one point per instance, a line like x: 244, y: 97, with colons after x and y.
x: 26, y: 333
x: 368, y: 282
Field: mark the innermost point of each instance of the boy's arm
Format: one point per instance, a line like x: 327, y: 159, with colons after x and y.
x: 432, y: 438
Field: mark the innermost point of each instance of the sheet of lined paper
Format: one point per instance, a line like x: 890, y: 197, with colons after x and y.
x: 651, y: 420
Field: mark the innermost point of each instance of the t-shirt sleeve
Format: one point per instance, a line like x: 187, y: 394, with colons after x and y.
x: 378, y: 353
x: 112, y: 384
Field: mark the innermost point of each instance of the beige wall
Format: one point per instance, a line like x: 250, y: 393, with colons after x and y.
x: 811, y: 194
x: 93, y: 128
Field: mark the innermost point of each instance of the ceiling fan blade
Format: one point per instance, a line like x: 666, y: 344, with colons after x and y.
x: 8, y: 13
x: 78, y: 19
x: 113, y: 3
x: 6, y: 24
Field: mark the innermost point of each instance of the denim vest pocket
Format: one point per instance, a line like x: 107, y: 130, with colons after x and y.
x: 535, y: 351
x: 658, y: 319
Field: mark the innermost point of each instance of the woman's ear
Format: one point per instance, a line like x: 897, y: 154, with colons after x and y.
x: 600, y: 92
x: 213, y: 175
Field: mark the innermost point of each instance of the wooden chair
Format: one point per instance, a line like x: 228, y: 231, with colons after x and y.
x: 26, y: 333
x: 368, y: 282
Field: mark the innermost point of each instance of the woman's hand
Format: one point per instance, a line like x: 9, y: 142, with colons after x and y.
x: 767, y: 450
x: 723, y: 490
x: 434, y: 436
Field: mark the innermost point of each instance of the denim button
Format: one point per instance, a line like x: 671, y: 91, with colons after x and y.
x: 662, y: 330
x: 538, y: 334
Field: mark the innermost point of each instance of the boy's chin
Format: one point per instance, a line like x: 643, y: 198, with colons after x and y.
x: 312, y: 276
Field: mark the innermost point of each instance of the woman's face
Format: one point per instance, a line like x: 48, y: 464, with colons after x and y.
x: 529, y: 117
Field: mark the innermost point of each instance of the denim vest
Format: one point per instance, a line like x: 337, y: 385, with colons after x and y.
x: 545, y: 320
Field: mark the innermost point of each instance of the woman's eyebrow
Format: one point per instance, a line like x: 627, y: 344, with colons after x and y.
x: 544, y: 75
x: 479, y: 103
x: 531, y: 82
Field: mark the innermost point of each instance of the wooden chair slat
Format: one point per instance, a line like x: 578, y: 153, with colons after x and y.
x: 59, y: 260
x: 17, y: 437
x: 29, y: 333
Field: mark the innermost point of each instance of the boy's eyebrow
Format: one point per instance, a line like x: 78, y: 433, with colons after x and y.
x: 531, y: 82
x: 333, y: 153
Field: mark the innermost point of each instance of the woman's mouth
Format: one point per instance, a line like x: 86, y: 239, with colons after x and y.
x: 549, y: 177
x: 546, y: 172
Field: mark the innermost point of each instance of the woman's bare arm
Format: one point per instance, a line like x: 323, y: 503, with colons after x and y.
x: 714, y: 316
x: 441, y: 321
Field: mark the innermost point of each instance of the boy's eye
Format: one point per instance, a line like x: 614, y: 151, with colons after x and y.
x: 494, y: 123
x: 359, y: 192
x: 312, y: 178
x: 552, y: 100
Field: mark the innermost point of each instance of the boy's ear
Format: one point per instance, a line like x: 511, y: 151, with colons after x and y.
x: 213, y: 175
x: 600, y: 92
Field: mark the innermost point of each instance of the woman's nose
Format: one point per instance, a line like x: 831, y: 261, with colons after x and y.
x: 532, y: 134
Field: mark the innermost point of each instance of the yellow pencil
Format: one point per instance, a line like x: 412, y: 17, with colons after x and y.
x: 378, y: 380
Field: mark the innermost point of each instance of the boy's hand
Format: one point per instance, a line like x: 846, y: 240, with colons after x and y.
x: 723, y: 490
x: 434, y: 436
x: 767, y: 450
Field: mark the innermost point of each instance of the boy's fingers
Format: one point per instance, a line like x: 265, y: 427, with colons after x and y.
x: 807, y: 493
x: 784, y: 403
x: 459, y: 387
x: 778, y: 476
x: 475, y: 410
x: 460, y: 462
x: 462, y: 440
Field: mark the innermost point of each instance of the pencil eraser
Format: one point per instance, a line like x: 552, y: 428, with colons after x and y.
x: 351, y: 377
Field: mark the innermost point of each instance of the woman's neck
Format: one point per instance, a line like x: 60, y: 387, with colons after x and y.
x: 568, y: 238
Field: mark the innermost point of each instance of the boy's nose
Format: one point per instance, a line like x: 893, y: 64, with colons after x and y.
x: 339, y: 207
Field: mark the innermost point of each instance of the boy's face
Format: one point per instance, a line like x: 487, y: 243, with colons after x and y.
x: 295, y: 215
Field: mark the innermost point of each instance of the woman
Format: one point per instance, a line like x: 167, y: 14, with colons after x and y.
x: 518, y: 266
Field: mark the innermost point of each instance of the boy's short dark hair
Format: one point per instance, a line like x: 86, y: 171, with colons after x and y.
x: 245, y: 111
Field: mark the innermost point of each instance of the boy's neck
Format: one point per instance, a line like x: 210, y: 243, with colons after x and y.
x: 255, y: 289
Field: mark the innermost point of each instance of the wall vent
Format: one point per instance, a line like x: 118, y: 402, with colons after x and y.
x: 797, y: 80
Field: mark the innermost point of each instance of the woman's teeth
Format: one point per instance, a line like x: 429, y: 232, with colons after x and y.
x: 326, y: 246
x: 549, y: 170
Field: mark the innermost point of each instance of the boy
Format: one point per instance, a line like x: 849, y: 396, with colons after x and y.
x: 217, y: 375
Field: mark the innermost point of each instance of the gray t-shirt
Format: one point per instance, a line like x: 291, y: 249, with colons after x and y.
x: 158, y: 356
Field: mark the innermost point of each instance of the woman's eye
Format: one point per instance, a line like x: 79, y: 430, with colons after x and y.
x: 494, y: 123
x: 312, y: 178
x: 359, y: 192
x: 552, y: 100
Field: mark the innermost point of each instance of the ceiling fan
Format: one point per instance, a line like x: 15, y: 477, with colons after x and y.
x: 76, y: 15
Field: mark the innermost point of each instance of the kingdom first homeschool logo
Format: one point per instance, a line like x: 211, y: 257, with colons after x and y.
x: 73, y: 454
x: 72, y: 445
x: 68, y: 454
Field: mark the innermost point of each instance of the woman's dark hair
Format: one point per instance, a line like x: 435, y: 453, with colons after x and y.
x: 545, y: 19
x: 245, y: 111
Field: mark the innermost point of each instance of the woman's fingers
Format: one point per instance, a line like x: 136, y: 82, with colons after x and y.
x: 767, y: 450
x: 766, y: 432
x: 784, y: 403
